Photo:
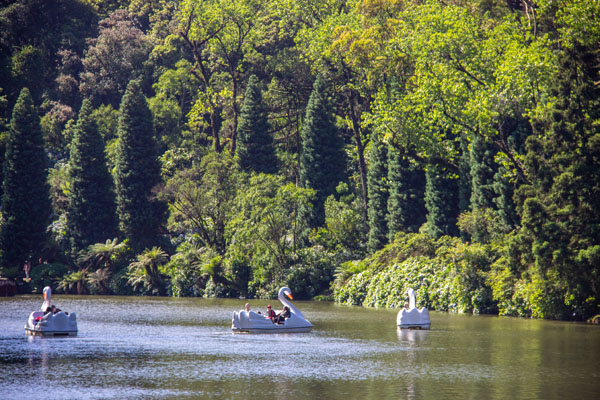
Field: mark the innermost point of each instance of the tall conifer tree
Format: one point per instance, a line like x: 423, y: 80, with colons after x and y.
x: 441, y: 200
x: 254, y: 150
x: 464, y: 176
x: 137, y: 171
x: 561, y: 207
x: 322, y: 160
x: 406, y: 202
x: 378, y: 196
x: 483, y: 169
x: 518, y: 130
x: 483, y: 174
x: 92, y: 205
x: 26, y: 206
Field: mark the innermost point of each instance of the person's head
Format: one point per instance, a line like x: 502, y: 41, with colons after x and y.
x: 269, y: 307
x: 247, y: 307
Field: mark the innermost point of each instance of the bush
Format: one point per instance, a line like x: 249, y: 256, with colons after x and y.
x: 43, y: 275
x: 312, y: 275
x: 446, y: 275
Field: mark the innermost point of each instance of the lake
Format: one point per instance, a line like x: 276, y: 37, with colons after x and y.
x: 167, y: 348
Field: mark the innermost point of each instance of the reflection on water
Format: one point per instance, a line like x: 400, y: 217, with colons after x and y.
x: 131, y: 347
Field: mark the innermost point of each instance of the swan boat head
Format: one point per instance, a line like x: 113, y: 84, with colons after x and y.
x: 47, y: 294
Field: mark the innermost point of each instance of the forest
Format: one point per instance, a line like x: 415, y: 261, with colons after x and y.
x: 349, y: 149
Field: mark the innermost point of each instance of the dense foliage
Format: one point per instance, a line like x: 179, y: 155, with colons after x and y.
x: 352, y: 148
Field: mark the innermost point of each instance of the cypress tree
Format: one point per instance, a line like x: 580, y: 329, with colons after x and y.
x: 322, y: 159
x: 406, y: 202
x: 255, y: 150
x: 483, y: 169
x: 137, y: 171
x: 483, y: 174
x: 561, y: 207
x: 92, y: 207
x: 518, y: 130
x: 441, y: 201
x: 378, y: 196
x: 464, y: 176
x: 26, y: 206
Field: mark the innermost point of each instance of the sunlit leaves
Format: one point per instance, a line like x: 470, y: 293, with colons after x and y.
x: 468, y: 75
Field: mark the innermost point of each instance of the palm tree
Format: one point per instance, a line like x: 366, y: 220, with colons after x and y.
x: 103, y: 254
x: 145, y: 271
x: 74, y: 282
x: 100, y: 280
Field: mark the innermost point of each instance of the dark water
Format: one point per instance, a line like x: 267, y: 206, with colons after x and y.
x: 147, y: 348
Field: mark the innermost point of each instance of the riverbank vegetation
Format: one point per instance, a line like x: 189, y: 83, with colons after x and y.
x: 345, y: 148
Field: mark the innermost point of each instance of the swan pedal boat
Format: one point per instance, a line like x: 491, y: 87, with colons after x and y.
x: 412, y: 317
x: 250, y: 322
x: 41, y: 323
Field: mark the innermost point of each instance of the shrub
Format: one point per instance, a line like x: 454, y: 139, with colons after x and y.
x: 446, y: 275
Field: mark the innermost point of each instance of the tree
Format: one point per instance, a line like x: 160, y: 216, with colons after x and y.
x: 26, y: 204
x: 201, y: 198
x: 220, y: 34
x: 92, y: 206
x: 378, y: 196
x: 267, y: 225
x: 441, y: 201
x: 137, y: 171
x: 322, y: 159
x: 483, y: 172
x: 145, y: 271
x: 114, y: 58
x: 74, y: 282
x: 175, y: 91
x: 483, y: 169
x: 103, y: 254
x: 255, y: 151
x: 28, y: 69
x: 406, y: 202
x: 476, y: 74
x: 47, y: 25
x: 560, y: 209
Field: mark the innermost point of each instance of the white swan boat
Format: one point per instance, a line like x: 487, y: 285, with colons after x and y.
x: 42, y: 323
x: 251, y: 322
x: 412, y: 317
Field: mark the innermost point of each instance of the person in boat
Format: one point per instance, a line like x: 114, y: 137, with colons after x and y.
x: 54, y: 309
x: 247, y: 307
x: 270, y: 313
x: 283, y: 315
